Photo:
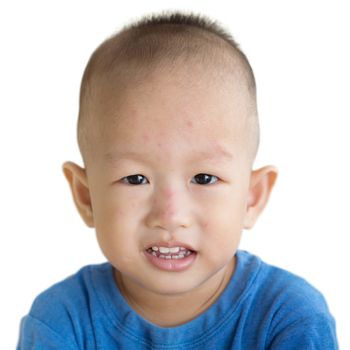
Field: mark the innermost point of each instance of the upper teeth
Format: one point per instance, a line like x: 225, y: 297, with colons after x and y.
x: 166, y: 250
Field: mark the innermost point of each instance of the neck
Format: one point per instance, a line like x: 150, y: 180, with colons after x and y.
x: 174, y: 310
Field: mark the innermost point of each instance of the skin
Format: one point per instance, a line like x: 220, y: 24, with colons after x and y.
x: 180, y: 127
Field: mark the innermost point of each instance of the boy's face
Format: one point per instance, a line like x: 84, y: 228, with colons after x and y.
x: 169, y: 130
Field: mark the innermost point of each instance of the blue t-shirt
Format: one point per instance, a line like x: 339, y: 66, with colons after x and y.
x: 262, y: 307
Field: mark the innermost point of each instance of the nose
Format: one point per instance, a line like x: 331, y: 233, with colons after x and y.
x: 169, y: 210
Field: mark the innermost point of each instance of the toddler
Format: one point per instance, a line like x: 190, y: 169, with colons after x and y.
x: 168, y: 131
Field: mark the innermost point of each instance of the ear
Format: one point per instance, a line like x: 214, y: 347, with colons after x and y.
x: 261, y: 184
x: 77, y: 179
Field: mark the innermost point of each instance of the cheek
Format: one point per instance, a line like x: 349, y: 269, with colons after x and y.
x: 116, y: 233
x: 113, y: 207
x: 116, y: 222
x: 221, y: 210
x: 222, y: 224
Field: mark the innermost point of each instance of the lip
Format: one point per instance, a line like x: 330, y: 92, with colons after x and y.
x: 171, y: 265
x: 170, y: 245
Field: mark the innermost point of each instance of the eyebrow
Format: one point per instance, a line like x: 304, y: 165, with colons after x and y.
x: 217, y: 156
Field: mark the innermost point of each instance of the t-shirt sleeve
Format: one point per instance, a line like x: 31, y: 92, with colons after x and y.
x: 300, y: 317
x: 313, y: 333
x: 36, y: 335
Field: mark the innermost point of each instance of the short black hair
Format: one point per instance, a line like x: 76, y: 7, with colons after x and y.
x: 154, y: 40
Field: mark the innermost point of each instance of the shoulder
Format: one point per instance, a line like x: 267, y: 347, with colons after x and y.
x: 292, y: 291
x: 66, y: 305
x: 70, y: 291
x: 278, y: 285
x: 296, y: 312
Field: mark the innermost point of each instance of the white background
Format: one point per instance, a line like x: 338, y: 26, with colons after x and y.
x: 300, y: 53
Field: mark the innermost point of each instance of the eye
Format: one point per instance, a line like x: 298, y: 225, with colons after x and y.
x: 133, y: 179
x: 204, y: 179
x: 138, y: 179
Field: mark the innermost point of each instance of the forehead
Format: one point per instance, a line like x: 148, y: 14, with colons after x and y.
x: 215, y: 154
x: 173, y: 111
x: 188, y: 77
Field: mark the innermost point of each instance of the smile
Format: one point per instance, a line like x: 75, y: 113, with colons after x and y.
x: 172, y: 259
x: 169, y: 253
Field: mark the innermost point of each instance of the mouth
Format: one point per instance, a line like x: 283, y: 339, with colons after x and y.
x: 169, y: 253
x: 176, y: 257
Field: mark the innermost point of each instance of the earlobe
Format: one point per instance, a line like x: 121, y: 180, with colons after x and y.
x: 77, y: 179
x: 261, y: 184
